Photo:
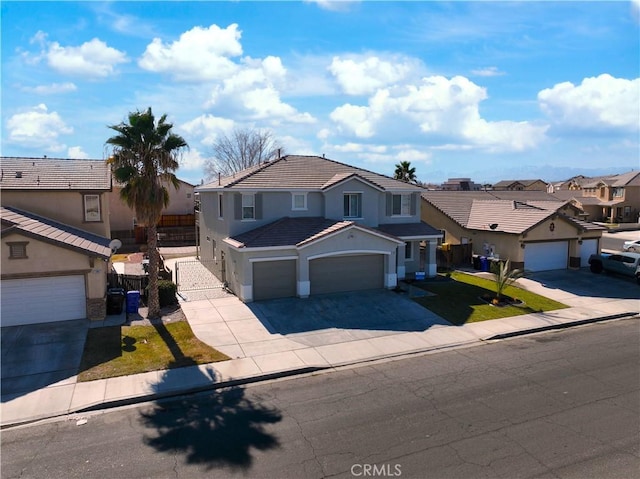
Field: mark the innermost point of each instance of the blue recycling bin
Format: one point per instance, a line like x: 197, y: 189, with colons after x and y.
x: 484, y: 263
x: 133, y: 301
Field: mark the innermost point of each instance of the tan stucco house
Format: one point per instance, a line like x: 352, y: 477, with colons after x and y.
x: 181, y: 209
x: 520, y: 185
x: 55, y: 239
x: 612, y: 199
x: 307, y: 225
x: 534, y: 230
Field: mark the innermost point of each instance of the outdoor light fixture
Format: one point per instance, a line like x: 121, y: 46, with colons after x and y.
x: 493, y: 226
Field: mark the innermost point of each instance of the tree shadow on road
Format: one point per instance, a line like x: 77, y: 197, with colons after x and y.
x: 219, y: 429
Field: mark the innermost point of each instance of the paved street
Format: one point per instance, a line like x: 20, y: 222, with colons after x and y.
x: 555, y: 404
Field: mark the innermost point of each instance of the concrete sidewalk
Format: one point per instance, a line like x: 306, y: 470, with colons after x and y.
x: 258, y: 353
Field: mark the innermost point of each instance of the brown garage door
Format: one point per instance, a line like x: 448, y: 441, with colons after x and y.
x: 274, y: 279
x: 346, y: 273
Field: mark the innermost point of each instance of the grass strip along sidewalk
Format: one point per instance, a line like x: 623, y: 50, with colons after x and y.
x: 460, y: 300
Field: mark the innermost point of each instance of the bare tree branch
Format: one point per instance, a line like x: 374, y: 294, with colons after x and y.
x: 242, y: 149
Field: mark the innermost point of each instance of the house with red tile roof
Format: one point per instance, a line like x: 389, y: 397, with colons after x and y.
x: 307, y: 225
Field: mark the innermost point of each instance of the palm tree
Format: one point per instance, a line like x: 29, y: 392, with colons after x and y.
x: 144, y: 158
x: 404, y: 172
x: 505, y: 276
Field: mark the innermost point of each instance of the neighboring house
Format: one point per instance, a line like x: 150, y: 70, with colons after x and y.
x: 460, y: 184
x: 532, y: 229
x: 306, y: 225
x: 179, y: 212
x: 613, y: 199
x: 55, y: 239
x: 520, y: 185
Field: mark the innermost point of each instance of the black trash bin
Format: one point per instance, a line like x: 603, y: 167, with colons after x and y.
x: 115, y: 300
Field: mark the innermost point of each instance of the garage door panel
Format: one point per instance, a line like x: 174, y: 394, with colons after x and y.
x: 346, y: 273
x: 274, y: 279
x: 546, y: 256
x: 587, y: 248
x: 42, y: 300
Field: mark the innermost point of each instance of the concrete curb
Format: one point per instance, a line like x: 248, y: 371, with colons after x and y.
x: 561, y: 326
x: 307, y: 370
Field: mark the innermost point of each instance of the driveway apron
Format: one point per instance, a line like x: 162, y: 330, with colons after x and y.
x: 38, y: 355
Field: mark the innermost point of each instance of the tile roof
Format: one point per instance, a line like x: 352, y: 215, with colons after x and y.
x: 631, y: 178
x: 45, y: 229
x: 505, y: 183
x: 406, y: 230
x: 303, y: 173
x: 295, y: 232
x: 457, y: 204
x: 509, y: 216
x: 53, y: 174
x: 583, y: 225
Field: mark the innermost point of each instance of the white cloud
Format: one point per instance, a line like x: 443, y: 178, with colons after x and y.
x: 200, y: 54
x: 207, y: 128
x: 487, y: 72
x: 351, y: 147
x: 38, y: 128
x: 77, y: 152
x: 635, y: 10
x: 52, y: 89
x: 334, y: 5
x: 360, y: 76
x: 440, y: 108
x: 598, y: 103
x: 92, y: 59
x: 192, y: 159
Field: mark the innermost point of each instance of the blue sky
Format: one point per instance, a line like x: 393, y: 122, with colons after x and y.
x: 487, y: 90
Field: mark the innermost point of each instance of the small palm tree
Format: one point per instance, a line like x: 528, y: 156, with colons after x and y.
x: 405, y: 172
x: 144, y: 158
x: 505, y: 276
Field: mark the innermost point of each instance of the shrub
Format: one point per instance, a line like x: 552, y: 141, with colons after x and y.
x: 167, y: 293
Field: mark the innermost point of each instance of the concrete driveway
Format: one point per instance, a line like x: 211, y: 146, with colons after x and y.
x: 38, y: 355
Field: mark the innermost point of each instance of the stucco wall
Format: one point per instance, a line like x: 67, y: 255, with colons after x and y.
x: 45, y: 259
x: 63, y: 206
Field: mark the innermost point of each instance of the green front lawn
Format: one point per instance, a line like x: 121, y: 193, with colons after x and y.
x: 123, y: 350
x: 458, y: 301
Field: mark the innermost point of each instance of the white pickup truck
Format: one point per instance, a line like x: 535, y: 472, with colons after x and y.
x: 625, y: 263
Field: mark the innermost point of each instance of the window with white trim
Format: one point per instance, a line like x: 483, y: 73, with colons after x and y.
x: 248, y: 207
x: 353, y: 205
x: 298, y: 201
x: 92, y: 208
x: 408, y: 250
x: 401, y: 205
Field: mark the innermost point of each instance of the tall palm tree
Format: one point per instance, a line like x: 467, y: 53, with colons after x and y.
x: 404, y: 172
x: 144, y: 158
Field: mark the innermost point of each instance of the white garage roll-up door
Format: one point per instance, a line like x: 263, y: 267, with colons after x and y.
x: 587, y: 248
x: 546, y: 256
x: 42, y: 300
x: 346, y: 273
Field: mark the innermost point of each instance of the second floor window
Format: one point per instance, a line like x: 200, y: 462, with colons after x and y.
x: 353, y: 205
x: 401, y: 205
x: 248, y: 207
x: 618, y: 192
x: 92, y: 208
x: 220, y: 205
x: 299, y: 201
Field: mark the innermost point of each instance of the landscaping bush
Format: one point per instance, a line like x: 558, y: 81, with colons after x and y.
x: 167, y: 293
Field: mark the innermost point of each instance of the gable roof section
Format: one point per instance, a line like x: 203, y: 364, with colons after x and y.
x: 47, y: 230
x: 410, y: 230
x: 457, y: 204
x: 509, y: 216
x: 296, y: 232
x: 303, y: 173
x: 508, y: 183
x: 54, y: 174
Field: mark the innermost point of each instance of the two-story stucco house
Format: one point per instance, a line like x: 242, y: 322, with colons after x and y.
x: 55, y: 239
x: 306, y: 225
